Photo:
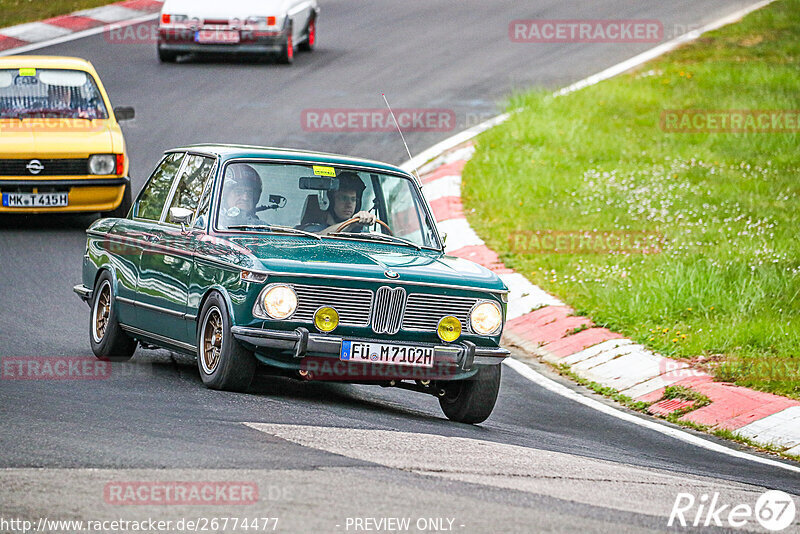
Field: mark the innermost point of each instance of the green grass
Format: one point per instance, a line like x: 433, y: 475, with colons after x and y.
x: 18, y: 11
x: 725, y: 286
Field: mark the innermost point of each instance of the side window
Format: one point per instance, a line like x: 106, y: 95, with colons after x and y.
x: 204, y: 206
x: 192, y: 182
x: 152, y: 199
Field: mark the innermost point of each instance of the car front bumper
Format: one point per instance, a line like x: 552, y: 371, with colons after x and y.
x: 85, y: 194
x: 464, y: 356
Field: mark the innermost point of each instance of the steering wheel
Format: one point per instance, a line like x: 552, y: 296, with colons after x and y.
x: 350, y: 221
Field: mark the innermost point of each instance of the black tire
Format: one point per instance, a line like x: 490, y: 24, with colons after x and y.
x: 286, y: 55
x: 165, y: 56
x: 311, y: 36
x: 472, y: 400
x: 108, y: 340
x: 230, y: 367
x: 124, y: 207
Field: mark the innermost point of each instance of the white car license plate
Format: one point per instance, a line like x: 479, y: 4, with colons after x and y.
x: 361, y: 351
x: 217, y: 36
x: 35, y: 200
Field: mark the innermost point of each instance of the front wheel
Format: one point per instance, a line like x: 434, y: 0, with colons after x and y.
x: 223, y: 363
x: 107, y: 338
x: 472, y: 400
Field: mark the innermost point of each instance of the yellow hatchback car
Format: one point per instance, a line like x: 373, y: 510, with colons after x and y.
x: 61, y: 147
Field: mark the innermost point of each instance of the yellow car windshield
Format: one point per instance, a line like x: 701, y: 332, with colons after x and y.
x: 49, y: 93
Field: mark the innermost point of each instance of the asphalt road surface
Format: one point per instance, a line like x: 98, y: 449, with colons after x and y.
x: 326, y: 457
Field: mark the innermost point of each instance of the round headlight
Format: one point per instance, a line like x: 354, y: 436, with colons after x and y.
x: 486, y: 318
x: 280, y: 302
x: 326, y: 319
x: 449, y: 329
x: 102, y: 164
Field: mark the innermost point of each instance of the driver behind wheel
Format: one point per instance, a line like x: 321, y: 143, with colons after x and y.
x: 345, y: 203
x: 241, y: 191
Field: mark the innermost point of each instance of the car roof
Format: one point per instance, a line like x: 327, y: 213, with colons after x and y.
x: 231, y: 151
x: 45, y: 62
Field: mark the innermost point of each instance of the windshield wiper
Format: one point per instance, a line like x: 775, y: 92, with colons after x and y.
x: 385, y: 237
x: 273, y: 228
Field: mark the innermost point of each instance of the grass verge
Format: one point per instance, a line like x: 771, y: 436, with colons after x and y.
x: 18, y: 11
x: 724, y: 286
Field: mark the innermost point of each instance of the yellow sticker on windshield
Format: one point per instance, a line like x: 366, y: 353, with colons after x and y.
x: 324, y: 171
x: 27, y: 72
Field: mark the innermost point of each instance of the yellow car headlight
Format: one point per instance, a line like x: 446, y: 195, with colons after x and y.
x: 280, y: 301
x: 486, y: 318
x: 326, y: 319
x: 449, y: 329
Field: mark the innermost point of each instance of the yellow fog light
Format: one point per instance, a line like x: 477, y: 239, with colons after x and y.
x: 326, y: 319
x: 486, y: 318
x: 449, y: 328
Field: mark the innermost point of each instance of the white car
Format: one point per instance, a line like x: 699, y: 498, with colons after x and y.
x: 274, y: 27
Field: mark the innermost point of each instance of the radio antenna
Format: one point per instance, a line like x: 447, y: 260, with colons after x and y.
x: 410, y: 159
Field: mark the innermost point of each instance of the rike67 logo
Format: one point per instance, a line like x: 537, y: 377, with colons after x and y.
x: 774, y: 510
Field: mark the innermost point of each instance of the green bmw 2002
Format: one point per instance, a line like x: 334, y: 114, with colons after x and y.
x: 322, y: 267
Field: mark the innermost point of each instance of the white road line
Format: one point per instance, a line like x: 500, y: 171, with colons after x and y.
x: 77, y: 35
x: 564, y: 391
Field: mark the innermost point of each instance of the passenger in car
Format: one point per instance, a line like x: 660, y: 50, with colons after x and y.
x: 344, y: 204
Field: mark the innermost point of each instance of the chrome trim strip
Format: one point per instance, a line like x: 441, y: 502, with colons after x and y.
x: 153, y: 307
x: 395, y: 282
x: 138, y: 331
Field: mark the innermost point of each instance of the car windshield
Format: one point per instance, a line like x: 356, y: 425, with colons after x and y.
x: 320, y: 200
x: 49, y: 93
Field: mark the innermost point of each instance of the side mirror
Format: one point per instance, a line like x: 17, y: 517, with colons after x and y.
x: 124, y: 113
x: 181, y: 216
x: 444, y: 239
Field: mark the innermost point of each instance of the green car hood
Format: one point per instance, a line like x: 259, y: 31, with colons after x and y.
x: 329, y: 257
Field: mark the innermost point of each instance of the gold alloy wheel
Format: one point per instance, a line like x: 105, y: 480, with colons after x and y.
x: 211, y: 340
x: 102, y: 311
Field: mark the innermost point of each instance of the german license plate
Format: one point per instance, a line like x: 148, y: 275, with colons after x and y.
x: 35, y: 200
x: 367, y: 352
x: 217, y: 36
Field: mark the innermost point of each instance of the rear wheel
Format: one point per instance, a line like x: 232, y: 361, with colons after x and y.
x: 124, y: 207
x: 286, y: 55
x: 472, y: 400
x: 223, y: 363
x: 165, y: 56
x: 108, y: 340
x: 311, y: 37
